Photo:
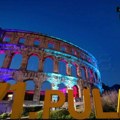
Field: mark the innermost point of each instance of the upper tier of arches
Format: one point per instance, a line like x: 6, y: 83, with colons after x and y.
x: 46, y: 42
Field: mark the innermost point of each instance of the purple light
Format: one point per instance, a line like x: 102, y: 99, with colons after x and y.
x: 2, y: 52
x: 63, y: 90
x: 6, y: 70
x: 17, y: 53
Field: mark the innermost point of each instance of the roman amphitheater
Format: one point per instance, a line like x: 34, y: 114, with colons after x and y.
x: 47, y: 63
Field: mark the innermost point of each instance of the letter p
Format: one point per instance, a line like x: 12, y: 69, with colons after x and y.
x: 48, y: 103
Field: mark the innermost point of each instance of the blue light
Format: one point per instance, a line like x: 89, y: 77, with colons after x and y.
x: 90, y: 61
x: 99, y: 86
x: 56, y: 79
x: 86, y: 52
x: 73, y: 59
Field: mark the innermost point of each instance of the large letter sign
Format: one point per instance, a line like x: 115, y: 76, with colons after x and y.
x: 19, y: 93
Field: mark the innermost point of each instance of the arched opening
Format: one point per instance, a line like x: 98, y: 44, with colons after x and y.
x: 21, y: 40
x: 62, y: 67
x: 16, y: 61
x: 10, y: 81
x: 75, y: 91
x: 89, y: 59
x: 74, y: 70
x: 9, y: 95
x: 46, y: 85
x: 83, y: 74
x: 36, y: 43
x: 63, y: 48
x: 96, y: 77
x: 74, y: 52
x: 82, y: 55
x: 62, y: 88
x: 2, y: 57
x: 48, y: 65
x: 30, y: 87
x: 50, y: 45
x: 6, y: 39
x: 92, y: 79
x: 33, y: 63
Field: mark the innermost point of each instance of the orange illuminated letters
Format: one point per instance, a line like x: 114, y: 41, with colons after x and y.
x: 19, y: 93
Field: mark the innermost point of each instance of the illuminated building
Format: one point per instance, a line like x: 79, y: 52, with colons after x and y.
x: 71, y: 68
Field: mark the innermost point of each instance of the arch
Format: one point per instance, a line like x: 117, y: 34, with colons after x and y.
x: 21, y: 40
x: 83, y: 74
x: 96, y: 77
x: 62, y: 88
x: 75, y: 91
x: 2, y: 57
x: 74, y: 70
x: 50, y: 45
x: 63, y: 48
x: 48, y: 65
x: 30, y: 84
x: 46, y: 85
x: 10, y: 81
x: 16, y: 61
x: 30, y: 87
x: 74, y: 52
x: 62, y: 67
x: 9, y: 95
x: 6, y: 39
x: 33, y: 63
x: 92, y: 79
x: 36, y: 42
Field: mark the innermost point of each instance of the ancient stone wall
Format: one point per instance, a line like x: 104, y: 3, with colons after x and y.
x: 27, y: 44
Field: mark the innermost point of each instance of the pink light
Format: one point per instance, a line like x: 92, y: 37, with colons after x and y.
x: 63, y: 60
x: 2, y: 52
x: 42, y: 92
x: 63, y: 90
x: 17, y: 53
x: 75, y: 53
x: 75, y: 91
x: 74, y: 64
x: 34, y: 55
x: 30, y: 92
x: 49, y: 57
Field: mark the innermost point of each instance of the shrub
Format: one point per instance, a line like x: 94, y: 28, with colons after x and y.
x: 26, y: 110
x: 57, y: 114
x: 108, y: 108
x: 69, y: 117
x: 40, y: 114
x: 4, y: 116
x: 92, y: 115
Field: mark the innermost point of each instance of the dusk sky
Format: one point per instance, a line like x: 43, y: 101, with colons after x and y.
x: 93, y: 25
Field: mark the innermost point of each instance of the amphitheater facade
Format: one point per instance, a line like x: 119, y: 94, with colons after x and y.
x: 80, y: 66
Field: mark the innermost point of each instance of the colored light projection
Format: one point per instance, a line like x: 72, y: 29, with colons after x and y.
x: 59, y: 69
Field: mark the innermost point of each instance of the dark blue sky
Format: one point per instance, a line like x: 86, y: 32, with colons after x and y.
x: 93, y: 25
